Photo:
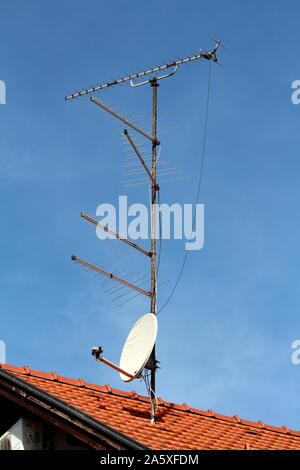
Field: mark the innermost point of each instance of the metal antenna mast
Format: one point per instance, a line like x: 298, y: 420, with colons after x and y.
x: 211, y: 56
x: 154, y: 189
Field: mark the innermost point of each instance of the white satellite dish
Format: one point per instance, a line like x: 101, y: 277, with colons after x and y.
x: 136, y: 350
x: 138, y: 346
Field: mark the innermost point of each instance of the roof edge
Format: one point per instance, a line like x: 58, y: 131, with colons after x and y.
x: 128, y: 442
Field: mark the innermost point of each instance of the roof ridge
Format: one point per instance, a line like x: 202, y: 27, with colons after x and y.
x: 107, y: 389
x: 80, y: 382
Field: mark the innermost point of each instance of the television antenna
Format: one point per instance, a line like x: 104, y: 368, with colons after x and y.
x: 128, y: 368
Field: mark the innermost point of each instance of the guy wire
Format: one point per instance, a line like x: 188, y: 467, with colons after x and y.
x: 198, y: 189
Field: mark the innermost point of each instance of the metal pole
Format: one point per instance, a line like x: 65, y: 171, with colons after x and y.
x: 114, y: 366
x: 154, y: 86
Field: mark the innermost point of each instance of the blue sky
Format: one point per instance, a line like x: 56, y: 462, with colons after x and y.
x: 225, y: 337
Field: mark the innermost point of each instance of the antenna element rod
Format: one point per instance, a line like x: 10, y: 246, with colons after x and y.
x: 118, y: 116
x: 111, y: 276
x: 141, y: 159
x: 106, y: 229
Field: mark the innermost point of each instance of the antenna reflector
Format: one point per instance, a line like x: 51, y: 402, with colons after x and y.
x: 138, y: 346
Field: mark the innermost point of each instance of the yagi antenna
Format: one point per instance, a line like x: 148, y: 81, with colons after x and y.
x: 201, y: 55
x: 139, y: 349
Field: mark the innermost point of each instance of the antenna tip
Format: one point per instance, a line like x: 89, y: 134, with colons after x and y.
x: 73, y: 258
x: 125, y: 131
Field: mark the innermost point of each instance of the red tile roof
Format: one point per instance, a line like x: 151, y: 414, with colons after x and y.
x: 178, y: 426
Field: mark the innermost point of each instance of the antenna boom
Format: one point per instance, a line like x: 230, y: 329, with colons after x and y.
x: 202, y: 55
x: 110, y: 275
x: 106, y: 229
x: 118, y: 116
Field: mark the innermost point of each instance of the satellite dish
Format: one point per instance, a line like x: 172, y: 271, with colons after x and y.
x: 136, y: 350
x: 138, y: 346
